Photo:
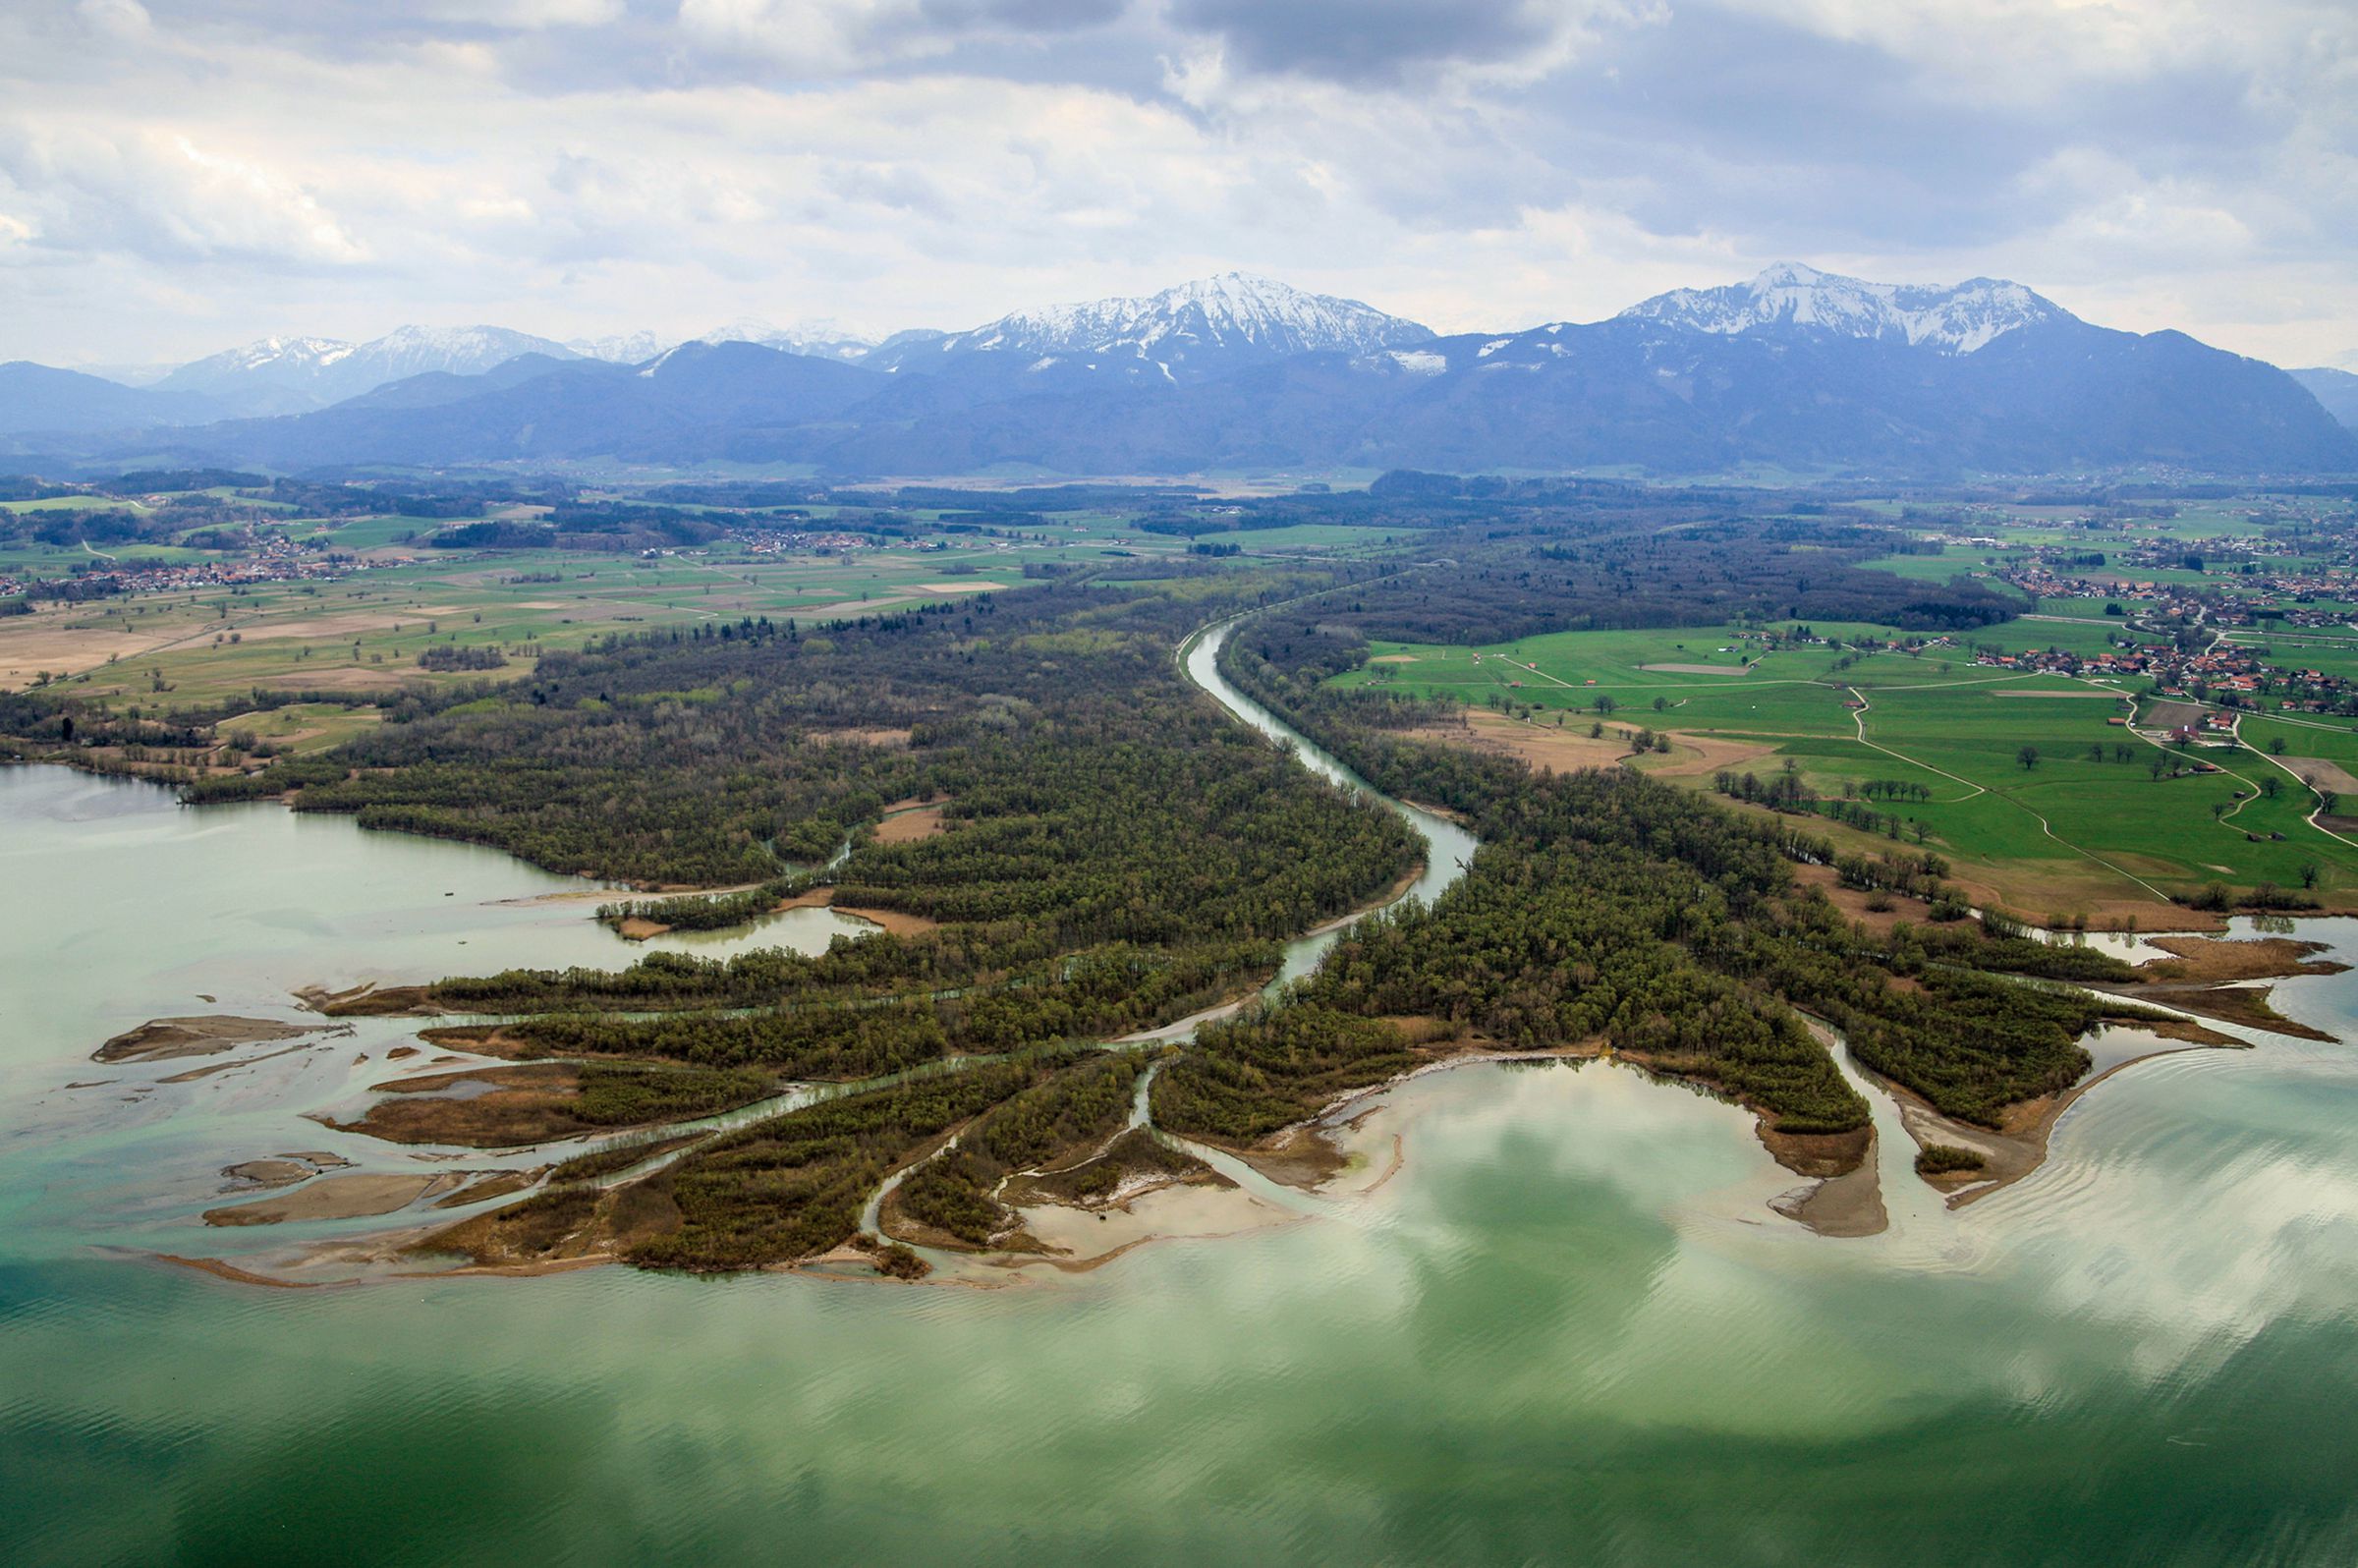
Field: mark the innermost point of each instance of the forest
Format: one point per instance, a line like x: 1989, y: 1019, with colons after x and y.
x: 1106, y: 851
x: 1610, y: 909
x: 748, y: 751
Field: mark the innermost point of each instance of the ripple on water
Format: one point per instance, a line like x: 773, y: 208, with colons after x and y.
x: 1552, y: 1326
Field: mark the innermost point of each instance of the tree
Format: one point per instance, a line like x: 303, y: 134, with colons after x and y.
x: 2310, y: 873
x: 2271, y: 786
x: 1660, y: 702
x: 2275, y: 746
x: 2027, y: 757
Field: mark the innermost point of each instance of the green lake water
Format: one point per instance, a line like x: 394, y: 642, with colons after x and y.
x: 1568, y: 1330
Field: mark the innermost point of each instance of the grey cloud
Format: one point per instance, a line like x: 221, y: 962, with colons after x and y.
x: 1723, y: 122
x: 1367, y: 41
x: 971, y: 151
x: 1044, y: 15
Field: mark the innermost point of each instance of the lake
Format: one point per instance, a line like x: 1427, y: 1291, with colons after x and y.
x: 1568, y: 1329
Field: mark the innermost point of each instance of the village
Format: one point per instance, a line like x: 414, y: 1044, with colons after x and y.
x: 272, y: 557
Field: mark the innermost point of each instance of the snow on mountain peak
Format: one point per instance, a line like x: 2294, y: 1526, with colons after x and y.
x: 317, y: 370
x: 457, y: 350
x: 1956, y: 319
x: 821, y: 339
x: 1233, y: 311
x: 622, y: 348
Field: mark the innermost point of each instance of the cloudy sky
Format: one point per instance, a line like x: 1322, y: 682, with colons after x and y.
x: 177, y: 175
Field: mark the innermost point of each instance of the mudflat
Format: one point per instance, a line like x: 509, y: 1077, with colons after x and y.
x: 162, y: 1038
x: 336, y: 1198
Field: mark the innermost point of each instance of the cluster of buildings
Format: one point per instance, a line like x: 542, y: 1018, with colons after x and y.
x: 276, y: 560
x: 767, y: 541
x: 2224, y: 673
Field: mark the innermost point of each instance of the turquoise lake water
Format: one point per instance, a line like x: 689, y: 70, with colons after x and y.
x: 1568, y: 1330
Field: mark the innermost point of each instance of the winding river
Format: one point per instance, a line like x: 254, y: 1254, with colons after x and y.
x: 1567, y: 1329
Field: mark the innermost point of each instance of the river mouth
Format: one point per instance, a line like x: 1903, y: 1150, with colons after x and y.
x: 1567, y: 1317
x: 307, y: 1086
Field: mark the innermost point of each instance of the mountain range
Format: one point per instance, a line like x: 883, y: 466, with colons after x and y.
x: 1796, y: 370
x: 2336, y: 391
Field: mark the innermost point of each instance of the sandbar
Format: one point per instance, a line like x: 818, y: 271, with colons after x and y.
x: 336, y: 1198
x: 164, y: 1038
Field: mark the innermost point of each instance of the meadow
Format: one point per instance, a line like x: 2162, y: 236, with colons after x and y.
x: 363, y: 632
x: 2084, y: 828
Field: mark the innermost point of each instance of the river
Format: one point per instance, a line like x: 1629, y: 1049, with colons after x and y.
x: 1568, y: 1329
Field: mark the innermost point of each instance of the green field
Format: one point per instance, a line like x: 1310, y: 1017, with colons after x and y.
x: 364, y: 632
x: 2068, y: 834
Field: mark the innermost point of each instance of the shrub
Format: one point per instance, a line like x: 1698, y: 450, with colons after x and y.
x: 1942, y: 1159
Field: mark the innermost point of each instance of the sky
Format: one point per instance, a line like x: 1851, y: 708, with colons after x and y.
x: 178, y: 177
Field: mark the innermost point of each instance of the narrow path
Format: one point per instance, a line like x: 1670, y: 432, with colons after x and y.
x: 2251, y: 788
x: 1859, y: 716
x: 2317, y: 811
x: 1860, y: 713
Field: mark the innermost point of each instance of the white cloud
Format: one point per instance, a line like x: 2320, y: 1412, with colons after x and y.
x: 581, y: 166
x: 163, y: 196
x: 120, y: 19
x: 528, y: 15
x: 815, y: 37
x: 2016, y: 50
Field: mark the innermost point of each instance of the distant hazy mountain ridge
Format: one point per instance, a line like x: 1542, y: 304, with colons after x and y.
x: 819, y: 339
x: 287, y: 375
x: 1796, y: 371
x: 2335, y: 390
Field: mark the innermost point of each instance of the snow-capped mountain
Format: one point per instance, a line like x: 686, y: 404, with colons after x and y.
x: 821, y: 340
x: 267, y: 375
x: 1797, y: 370
x: 286, y: 375
x: 1789, y: 296
x: 622, y: 348
x: 455, y: 351
x: 1198, y: 328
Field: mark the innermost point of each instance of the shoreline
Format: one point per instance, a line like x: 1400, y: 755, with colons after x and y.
x: 2016, y: 1152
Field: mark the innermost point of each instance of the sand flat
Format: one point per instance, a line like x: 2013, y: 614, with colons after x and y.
x: 1081, y: 1238
x: 336, y: 1198
x: 165, y: 1039
x: 909, y: 826
x: 1561, y: 748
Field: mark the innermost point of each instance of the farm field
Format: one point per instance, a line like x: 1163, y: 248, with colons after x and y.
x: 198, y: 646
x: 2086, y: 828
x: 364, y: 632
